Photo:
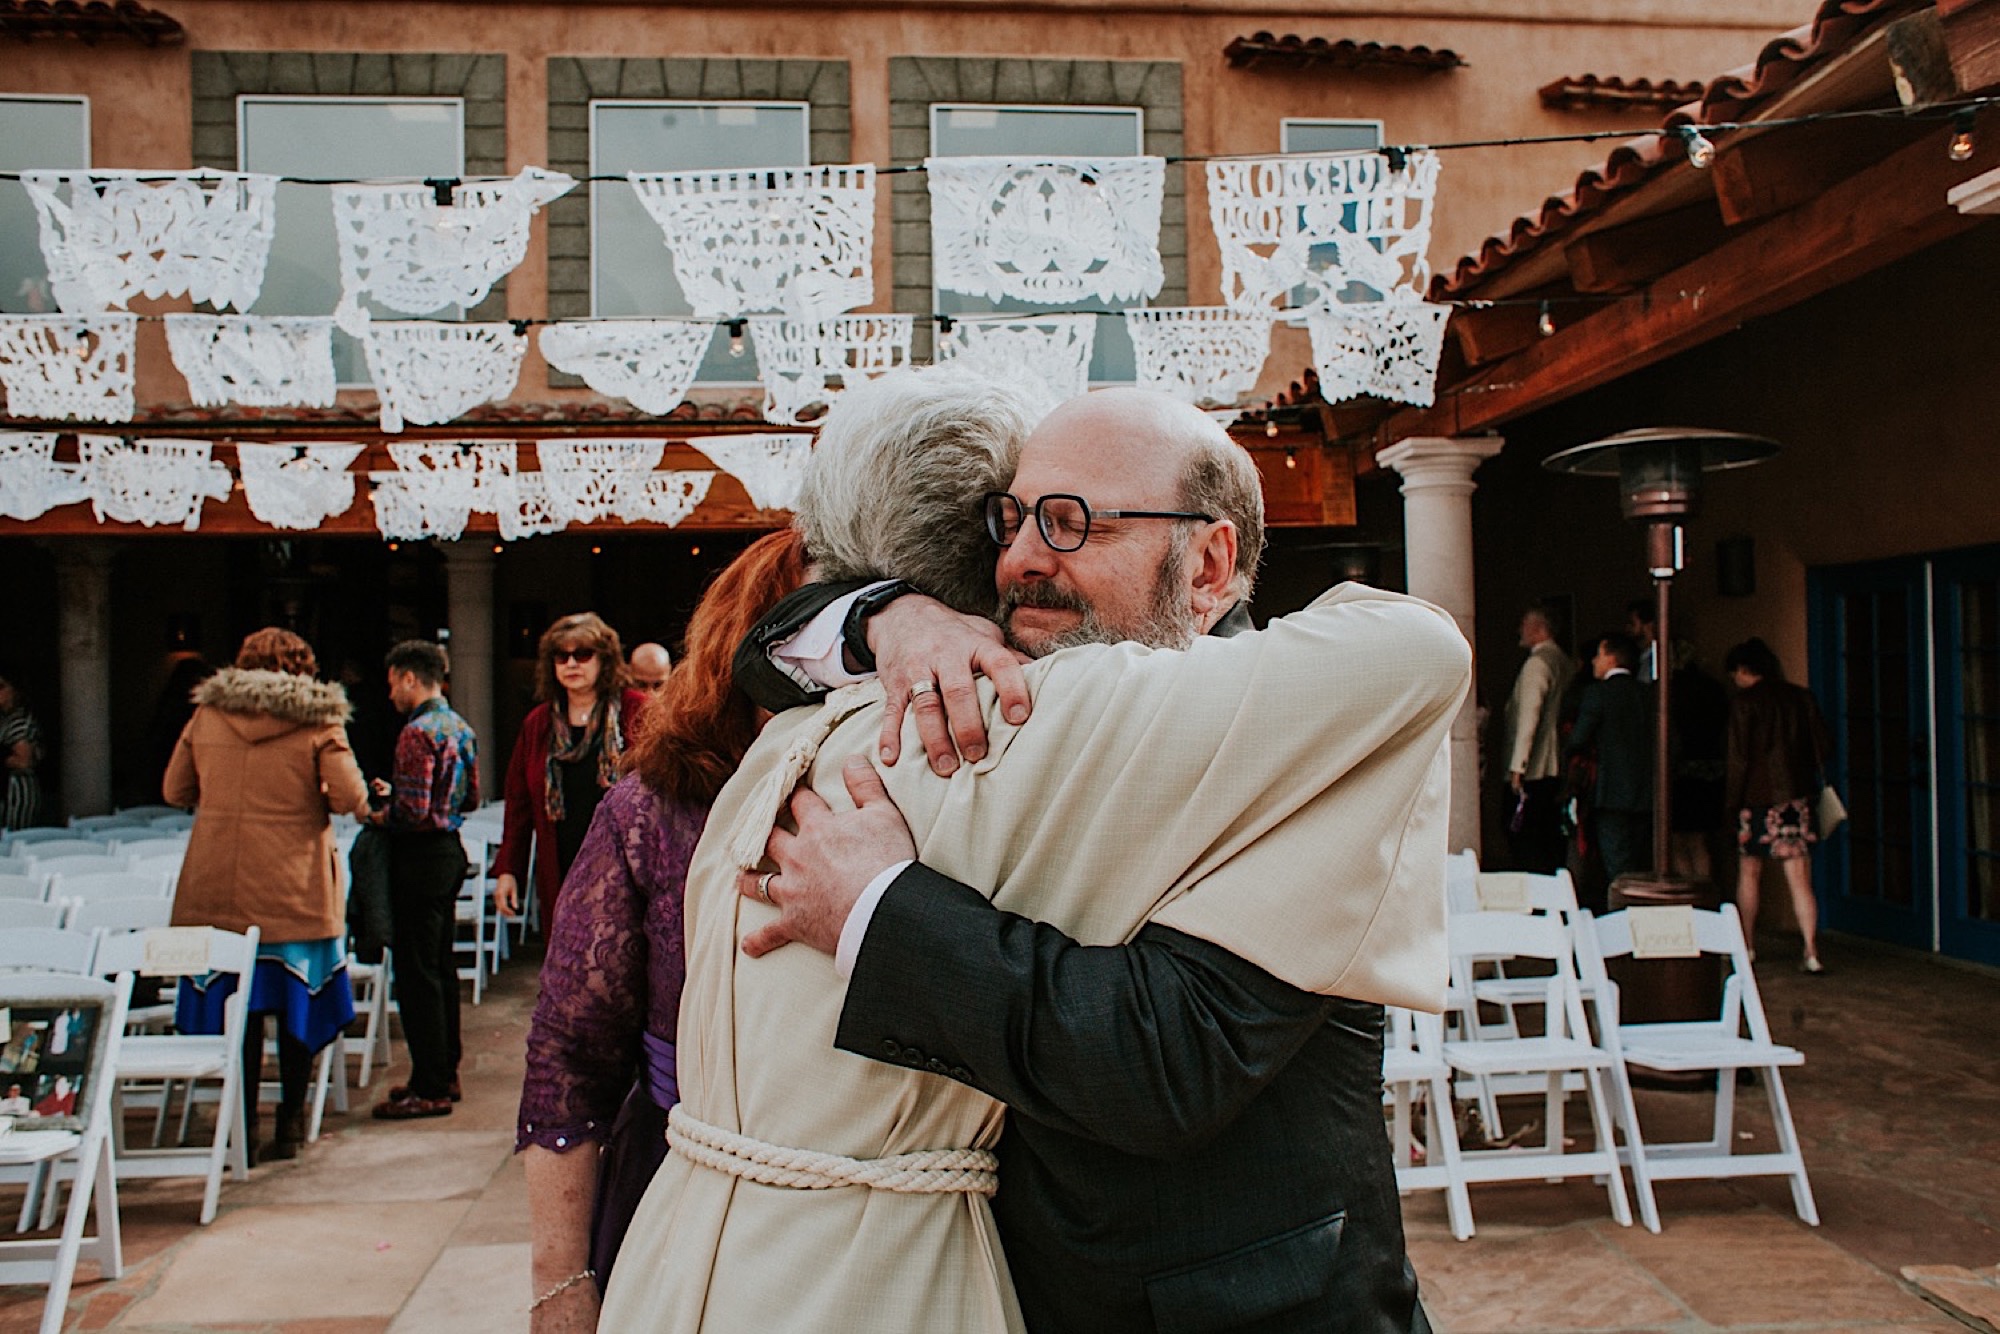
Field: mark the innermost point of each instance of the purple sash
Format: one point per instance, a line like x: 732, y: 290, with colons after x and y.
x: 633, y: 1153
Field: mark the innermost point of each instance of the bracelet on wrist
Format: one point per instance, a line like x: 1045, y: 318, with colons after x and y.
x: 562, y: 1287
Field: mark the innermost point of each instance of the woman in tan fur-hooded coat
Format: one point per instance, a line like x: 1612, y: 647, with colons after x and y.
x: 264, y: 761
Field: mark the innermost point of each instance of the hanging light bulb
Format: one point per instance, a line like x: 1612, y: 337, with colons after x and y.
x: 496, y: 548
x: 1545, y: 325
x: 1271, y: 428
x: 1291, y: 458
x: 736, y: 338
x: 694, y: 551
x: 1700, y: 152
x: 1959, y: 149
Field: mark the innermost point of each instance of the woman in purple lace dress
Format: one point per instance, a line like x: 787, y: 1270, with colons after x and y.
x: 601, y: 1045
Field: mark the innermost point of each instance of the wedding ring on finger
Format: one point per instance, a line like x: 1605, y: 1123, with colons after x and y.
x: 921, y: 689
x: 764, y: 886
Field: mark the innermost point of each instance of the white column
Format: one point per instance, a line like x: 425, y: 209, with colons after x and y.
x: 1437, y: 553
x: 468, y: 567
x: 83, y: 592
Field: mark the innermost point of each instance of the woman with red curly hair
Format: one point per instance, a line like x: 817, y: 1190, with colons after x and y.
x: 601, y: 1046
x: 570, y: 750
x: 263, y: 762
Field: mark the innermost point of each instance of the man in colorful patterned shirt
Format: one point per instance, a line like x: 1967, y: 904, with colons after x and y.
x: 437, y: 781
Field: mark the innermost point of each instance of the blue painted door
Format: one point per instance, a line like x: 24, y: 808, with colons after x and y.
x: 1967, y: 634
x: 1870, y: 635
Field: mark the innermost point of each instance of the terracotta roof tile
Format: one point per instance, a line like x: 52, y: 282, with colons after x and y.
x: 1261, y: 50
x: 1591, y: 90
x: 1728, y: 97
x: 89, y: 20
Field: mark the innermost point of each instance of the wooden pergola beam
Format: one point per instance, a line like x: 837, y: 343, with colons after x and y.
x: 1871, y: 219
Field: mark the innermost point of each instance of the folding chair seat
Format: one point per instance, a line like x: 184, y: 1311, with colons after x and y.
x: 1739, y: 1038
x: 47, y: 949
x: 1413, y: 1067
x: 34, y: 1156
x: 21, y: 885
x: 179, y: 821
x: 17, y: 913
x: 183, y: 1058
x: 1563, y: 1047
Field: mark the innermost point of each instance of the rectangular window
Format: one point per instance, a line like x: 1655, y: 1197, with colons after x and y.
x: 630, y: 272
x: 1327, y: 136
x: 35, y: 133
x: 338, y: 139
x: 961, y: 130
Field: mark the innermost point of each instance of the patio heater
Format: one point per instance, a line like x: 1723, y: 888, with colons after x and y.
x: 1659, y: 485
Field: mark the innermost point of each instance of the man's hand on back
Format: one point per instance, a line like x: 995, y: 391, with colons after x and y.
x: 916, y: 639
x: 823, y: 868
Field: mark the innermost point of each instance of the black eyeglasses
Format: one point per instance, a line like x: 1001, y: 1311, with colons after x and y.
x: 1064, y: 521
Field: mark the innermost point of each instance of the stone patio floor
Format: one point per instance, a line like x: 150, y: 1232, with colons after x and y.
x: 423, y: 1227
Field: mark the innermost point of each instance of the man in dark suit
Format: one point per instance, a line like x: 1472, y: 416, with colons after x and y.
x: 1192, y: 1144
x: 1613, y: 723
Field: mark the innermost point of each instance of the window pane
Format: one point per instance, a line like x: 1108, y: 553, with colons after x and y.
x: 338, y: 139
x: 1330, y: 136
x: 631, y: 273
x: 34, y: 133
x: 984, y: 131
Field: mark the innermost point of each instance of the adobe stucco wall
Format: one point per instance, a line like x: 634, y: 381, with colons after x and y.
x: 143, y: 102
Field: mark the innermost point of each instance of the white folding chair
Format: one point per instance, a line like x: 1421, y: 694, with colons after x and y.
x: 17, y: 913
x: 79, y: 865
x: 147, y: 845
x: 147, y: 814
x: 371, y: 983
x: 96, y: 826
x: 477, y: 923
x: 138, y: 913
x: 1563, y: 1047
x: 17, y: 839
x: 181, y: 821
x: 1739, y: 1038
x: 31, y: 888
x: 176, y: 1058
x: 120, y: 884
x: 1413, y: 1067
x: 47, y: 949
x: 1487, y: 981
x: 35, y: 1156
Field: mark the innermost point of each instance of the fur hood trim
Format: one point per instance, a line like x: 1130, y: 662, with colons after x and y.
x: 297, y: 699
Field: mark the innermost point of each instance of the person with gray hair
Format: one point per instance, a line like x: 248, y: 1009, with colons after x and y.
x: 1198, y: 879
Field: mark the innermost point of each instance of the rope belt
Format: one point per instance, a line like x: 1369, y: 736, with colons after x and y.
x: 927, y: 1172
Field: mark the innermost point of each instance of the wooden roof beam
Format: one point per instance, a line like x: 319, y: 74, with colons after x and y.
x: 1781, y: 169
x: 1872, y: 219
x: 1617, y: 259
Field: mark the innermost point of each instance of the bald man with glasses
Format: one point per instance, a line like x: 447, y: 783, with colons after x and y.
x: 1194, y: 1139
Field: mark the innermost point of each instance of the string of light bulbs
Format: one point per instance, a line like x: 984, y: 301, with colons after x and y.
x: 1962, y: 113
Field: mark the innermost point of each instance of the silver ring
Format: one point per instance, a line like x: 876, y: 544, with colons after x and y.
x: 764, y: 887
x: 922, y: 688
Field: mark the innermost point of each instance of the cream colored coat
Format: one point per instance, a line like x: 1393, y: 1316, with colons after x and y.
x: 1282, y: 794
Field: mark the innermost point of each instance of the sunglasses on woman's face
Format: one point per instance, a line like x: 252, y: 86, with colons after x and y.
x: 576, y: 655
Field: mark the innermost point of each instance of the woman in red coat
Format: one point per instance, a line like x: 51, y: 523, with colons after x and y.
x: 567, y: 754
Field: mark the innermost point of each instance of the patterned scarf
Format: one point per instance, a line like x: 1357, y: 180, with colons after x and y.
x: 569, y: 744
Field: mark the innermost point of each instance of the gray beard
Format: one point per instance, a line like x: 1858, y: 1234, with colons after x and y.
x: 1166, y: 622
